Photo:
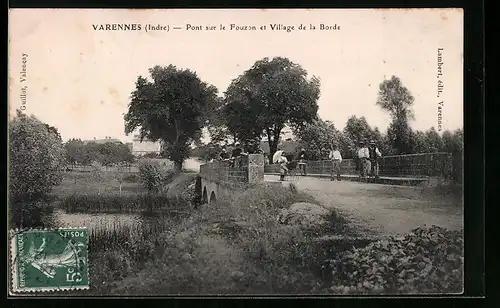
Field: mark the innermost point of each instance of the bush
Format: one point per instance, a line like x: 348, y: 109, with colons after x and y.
x: 422, y: 261
x: 152, y: 176
x: 36, y: 161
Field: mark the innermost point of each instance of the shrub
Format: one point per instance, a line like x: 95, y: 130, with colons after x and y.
x: 36, y: 161
x: 151, y: 176
x: 422, y: 261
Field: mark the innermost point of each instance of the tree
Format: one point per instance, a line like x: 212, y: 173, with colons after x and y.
x: 379, y: 139
x: 207, y: 152
x: 318, y: 136
x: 36, y: 160
x: 216, y: 124
x: 453, y: 143
x: 399, y: 137
x: 268, y: 96
x: 114, y: 154
x: 75, y: 151
x: 172, y: 108
x: 433, y: 140
x: 53, y: 130
x: 419, y: 142
x: 397, y: 100
x: 356, y: 130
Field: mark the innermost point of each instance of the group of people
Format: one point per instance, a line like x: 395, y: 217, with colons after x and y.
x: 367, y: 159
x: 238, y: 151
x: 368, y: 156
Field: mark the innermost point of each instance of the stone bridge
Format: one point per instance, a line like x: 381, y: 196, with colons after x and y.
x: 219, y: 179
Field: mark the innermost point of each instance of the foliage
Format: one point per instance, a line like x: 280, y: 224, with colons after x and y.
x: 356, y: 130
x: 207, y: 152
x: 268, y: 96
x: 422, y: 261
x: 236, y: 247
x: 106, y: 154
x: 151, y: 155
x: 172, y: 108
x: 397, y: 100
x: 114, y: 203
x: 152, y: 176
x: 317, y: 138
x: 36, y: 159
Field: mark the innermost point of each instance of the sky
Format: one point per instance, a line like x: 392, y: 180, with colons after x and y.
x: 79, y: 79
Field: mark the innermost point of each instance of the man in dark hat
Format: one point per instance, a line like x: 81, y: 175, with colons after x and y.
x: 364, y: 158
x: 374, y: 157
x: 302, y: 161
x: 224, y: 155
x: 237, y: 152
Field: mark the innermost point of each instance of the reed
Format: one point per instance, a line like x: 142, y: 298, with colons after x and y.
x: 115, y: 203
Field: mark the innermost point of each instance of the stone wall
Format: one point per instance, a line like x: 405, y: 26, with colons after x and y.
x: 245, y: 170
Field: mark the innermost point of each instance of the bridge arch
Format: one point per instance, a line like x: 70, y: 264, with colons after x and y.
x: 205, y: 195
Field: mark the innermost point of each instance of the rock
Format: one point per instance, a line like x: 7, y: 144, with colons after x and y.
x: 237, y: 274
x: 305, y: 214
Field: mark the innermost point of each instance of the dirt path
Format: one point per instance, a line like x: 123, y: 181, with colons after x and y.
x: 385, y: 209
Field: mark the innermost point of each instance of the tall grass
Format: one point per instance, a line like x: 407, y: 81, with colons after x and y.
x: 233, y: 246
x: 114, y: 203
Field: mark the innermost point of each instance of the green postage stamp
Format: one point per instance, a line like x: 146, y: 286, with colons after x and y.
x: 49, y: 260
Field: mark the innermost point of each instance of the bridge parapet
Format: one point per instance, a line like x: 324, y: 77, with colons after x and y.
x: 244, y: 169
x: 411, y: 165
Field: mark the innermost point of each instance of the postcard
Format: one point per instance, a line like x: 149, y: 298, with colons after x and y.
x: 235, y: 152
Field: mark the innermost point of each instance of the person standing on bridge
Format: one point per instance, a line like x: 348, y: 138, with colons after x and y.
x: 364, y: 157
x: 280, y: 158
x: 237, y: 152
x: 374, y: 156
x: 302, y: 161
x: 224, y: 155
x: 336, y: 158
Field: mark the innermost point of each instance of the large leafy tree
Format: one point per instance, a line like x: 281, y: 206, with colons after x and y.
x: 75, y: 151
x: 267, y: 97
x: 317, y: 137
x: 356, y: 130
x: 36, y: 159
x: 397, y: 100
x: 216, y: 124
x: 172, y: 107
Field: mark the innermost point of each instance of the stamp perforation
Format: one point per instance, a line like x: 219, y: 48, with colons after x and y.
x: 14, y: 259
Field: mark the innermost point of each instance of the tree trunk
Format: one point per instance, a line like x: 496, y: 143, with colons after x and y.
x: 177, y: 166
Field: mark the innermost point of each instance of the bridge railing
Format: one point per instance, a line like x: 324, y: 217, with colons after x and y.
x: 410, y: 165
x: 244, y: 169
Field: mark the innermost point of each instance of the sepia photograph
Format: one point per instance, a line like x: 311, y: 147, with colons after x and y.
x: 240, y: 152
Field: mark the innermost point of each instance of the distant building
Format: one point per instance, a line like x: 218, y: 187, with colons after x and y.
x: 145, y: 147
x: 102, y: 141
